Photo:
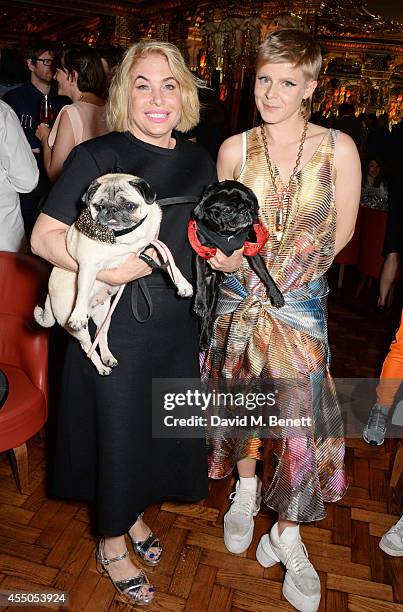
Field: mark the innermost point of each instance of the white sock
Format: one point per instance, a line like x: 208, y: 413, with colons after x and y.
x: 248, y: 484
x: 288, y: 536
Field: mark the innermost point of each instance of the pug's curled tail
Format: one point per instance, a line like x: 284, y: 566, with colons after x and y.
x: 44, y: 316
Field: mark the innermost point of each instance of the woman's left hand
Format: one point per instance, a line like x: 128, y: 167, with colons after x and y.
x: 42, y: 132
x: 226, y: 264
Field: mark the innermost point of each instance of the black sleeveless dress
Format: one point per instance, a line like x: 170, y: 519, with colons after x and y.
x: 104, y: 448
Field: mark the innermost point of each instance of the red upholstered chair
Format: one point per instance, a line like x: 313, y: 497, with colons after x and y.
x: 373, y: 229
x: 23, y: 355
x: 349, y: 255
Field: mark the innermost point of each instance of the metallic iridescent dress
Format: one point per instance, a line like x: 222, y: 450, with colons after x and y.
x: 253, y: 340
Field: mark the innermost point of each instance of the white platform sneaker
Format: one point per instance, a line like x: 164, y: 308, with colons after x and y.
x: 238, y: 521
x: 392, y: 541
x: 301, y: 586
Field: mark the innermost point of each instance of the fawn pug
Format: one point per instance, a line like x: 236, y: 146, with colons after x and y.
x: 120, y: 217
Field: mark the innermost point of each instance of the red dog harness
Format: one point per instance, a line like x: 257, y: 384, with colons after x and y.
x: 250, y: 248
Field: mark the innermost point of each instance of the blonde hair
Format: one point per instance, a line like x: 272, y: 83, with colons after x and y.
x: 119, y: 102
x: 294, y: 46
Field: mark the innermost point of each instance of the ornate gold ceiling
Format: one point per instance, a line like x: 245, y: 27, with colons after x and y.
x: 361, y: 40
x: 339, y: 24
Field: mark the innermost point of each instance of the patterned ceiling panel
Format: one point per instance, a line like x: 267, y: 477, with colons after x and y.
x: 22, y: 20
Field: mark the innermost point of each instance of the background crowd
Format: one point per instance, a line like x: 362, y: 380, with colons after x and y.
x: 46, y: 79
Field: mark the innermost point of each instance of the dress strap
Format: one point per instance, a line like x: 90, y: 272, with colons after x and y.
x: 244, y: 150
x: 77, y: 122
x: 333, y: 136
x: 332, y: 144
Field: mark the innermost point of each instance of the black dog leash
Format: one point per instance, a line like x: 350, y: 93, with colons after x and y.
x: 139, y: 287
x: 151, y: 262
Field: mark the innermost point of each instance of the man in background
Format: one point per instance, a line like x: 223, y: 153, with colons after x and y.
x: 348, y: 123
x: 26, y: 102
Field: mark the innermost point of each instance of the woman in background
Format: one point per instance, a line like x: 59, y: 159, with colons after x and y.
x: 374, y: 193
x: 393, y: 245
x: 81, y: 77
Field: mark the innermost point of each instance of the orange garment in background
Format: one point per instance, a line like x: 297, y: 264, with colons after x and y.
x: 392, y: 370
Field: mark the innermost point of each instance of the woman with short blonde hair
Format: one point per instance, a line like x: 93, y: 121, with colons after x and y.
x: 296, y: 47
x: 307, y: 181
x: 293, y: 46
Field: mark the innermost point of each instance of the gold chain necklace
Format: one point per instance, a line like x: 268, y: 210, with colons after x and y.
x: 282, y: 196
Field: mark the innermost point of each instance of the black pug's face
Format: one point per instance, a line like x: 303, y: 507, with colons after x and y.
x: 119, y: 201
x: 227, y: 207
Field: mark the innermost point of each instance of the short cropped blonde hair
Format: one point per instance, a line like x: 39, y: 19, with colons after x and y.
x: 119, y: 102
x: 294, y: 46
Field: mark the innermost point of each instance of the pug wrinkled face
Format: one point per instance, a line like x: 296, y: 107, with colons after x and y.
x: 119, y: 201
x: 228, y: 207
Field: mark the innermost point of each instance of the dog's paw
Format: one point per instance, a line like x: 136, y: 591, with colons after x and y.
x: 185, y: 289
x: 103, y: 370
x: 200, y: 310
x: 277, y: 300
x: 77, y: 324
x: 109, y: 360
x: 200, y: 305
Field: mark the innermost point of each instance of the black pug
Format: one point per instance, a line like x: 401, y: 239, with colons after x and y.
x: 227, y: 218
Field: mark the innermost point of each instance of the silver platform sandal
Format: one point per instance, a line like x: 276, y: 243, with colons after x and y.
x: 142, y: 548
x: 129, y: 589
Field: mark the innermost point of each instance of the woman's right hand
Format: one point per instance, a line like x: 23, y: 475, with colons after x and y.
x: 42, y: 132
x: 226, y: 264
x: 131, y: 269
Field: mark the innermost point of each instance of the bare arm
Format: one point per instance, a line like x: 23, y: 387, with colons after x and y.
x: 64, y: 142
x: 230, y: 158
x: 347, y: 189
x: 49, y: 242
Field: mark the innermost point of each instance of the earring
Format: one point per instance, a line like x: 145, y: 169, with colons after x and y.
x: 305, y: 108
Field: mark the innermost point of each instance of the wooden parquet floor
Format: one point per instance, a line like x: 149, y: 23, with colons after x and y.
x: 47, y: 545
